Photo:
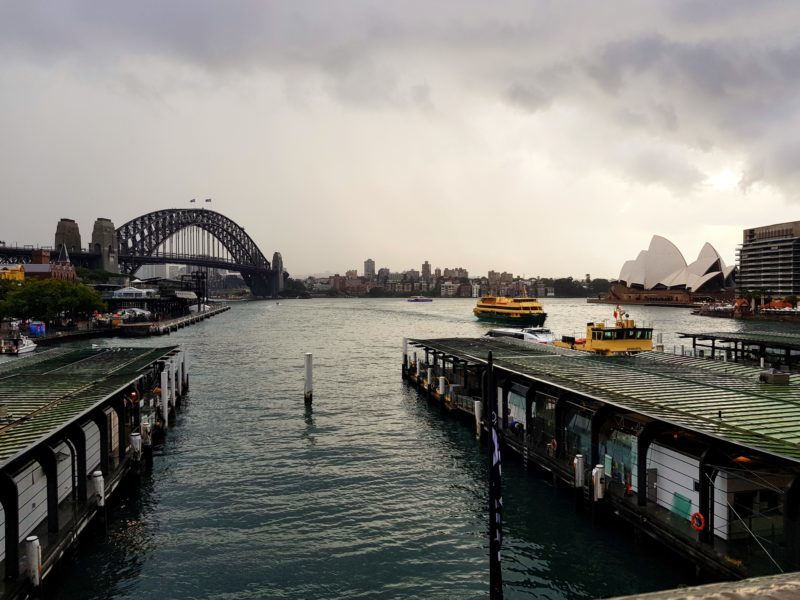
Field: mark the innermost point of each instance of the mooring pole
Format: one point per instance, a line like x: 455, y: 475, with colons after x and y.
x: 495, y: 490
x: 309, y: 384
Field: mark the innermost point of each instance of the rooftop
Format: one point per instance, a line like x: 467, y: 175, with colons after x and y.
x: 687, y: 392
x: 49, y: 390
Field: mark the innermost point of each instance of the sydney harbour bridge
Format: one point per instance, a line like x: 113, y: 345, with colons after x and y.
x: 180, y: 236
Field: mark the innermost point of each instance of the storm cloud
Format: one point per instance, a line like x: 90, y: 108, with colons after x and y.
x: 302, y: 115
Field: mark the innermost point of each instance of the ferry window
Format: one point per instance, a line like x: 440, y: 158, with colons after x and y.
x: 597, y: 335
x: 608, y: 335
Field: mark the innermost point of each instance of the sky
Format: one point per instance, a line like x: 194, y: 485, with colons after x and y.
x: 541, y: 138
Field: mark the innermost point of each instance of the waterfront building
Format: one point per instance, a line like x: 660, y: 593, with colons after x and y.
x: 351, y: 274
x: 449, y: 289
x: 426, y: 270
x: 12, y: 272
x: 40, y: 266
x: 457, y: 273
x: 769, y: 260
x: 369, y: 268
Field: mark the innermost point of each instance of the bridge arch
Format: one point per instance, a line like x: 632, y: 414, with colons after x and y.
x: 141, y: 238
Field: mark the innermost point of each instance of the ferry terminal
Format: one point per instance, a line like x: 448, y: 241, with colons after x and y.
x: 700, y: 454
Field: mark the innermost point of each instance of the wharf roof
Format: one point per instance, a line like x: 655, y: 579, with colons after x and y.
x: 690, y: 393
x: 47, y: 391
x: 770, y: 339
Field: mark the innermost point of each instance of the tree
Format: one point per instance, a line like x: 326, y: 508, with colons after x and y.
x: 49, y: 299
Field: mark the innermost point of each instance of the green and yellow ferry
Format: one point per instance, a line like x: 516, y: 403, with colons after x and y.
x: 522, y: 312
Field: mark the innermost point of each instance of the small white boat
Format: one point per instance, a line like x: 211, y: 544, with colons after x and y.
x: 17, y: 345
x: 540, y: 335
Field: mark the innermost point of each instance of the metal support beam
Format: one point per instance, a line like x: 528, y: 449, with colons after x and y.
x: 100, y: 419
x: 9, y: 498
x: 599, y: 419
x: 122, y: 426
x: 706, y: 475
x: 46, y: 457
x: 646, y: 437
x: 77, y: 438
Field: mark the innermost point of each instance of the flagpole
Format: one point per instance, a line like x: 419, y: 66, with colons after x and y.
x: 495, y: 491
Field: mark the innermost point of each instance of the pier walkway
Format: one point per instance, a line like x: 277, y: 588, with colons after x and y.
x: 70, y: 422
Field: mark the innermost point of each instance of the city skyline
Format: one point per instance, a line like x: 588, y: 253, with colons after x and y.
x: 524, y: 140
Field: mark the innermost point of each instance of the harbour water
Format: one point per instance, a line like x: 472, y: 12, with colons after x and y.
x: 372, y: 494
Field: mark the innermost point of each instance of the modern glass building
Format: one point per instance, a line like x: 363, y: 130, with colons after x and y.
x: 769, y: 260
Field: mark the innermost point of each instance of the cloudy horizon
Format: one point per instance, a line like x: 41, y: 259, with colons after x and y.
x: 548, y: 138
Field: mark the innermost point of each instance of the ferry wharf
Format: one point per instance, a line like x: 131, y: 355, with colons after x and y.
x: 762, y: 348
x: 701, y: 455
x: 73, y: 424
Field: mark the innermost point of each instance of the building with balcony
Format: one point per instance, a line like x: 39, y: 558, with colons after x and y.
x: 769, y: 260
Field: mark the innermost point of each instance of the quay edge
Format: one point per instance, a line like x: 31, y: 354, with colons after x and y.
x: 710, y: 441
x: 73, y: 424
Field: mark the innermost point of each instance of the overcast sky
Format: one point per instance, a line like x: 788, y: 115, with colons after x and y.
x: 542, y: 138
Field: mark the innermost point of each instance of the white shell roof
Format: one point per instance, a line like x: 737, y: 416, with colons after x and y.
x: 662, y: 264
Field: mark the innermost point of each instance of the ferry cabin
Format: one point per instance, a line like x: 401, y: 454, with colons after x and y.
x: 701, y: 455
x: 624, y: 337
x: 521, y: 311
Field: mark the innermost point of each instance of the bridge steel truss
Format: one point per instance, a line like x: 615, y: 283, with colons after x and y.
x: 140, y: 241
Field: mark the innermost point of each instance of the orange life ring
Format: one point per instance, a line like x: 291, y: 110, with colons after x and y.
x: 698, y: 521
x: 554, y: 444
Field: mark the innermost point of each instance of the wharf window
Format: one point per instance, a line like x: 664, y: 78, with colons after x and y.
x: 545, y: 421
x: 619, y: 450
x: 516, y: 409
x: 579, y: 434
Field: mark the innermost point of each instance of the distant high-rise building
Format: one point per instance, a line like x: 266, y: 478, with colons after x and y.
x: 437, y: 273
x: 426, y: 270
x: 369, y: 268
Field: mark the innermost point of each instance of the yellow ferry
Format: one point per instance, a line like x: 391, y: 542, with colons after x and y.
x: 624, y: 337
x: 523, y: 311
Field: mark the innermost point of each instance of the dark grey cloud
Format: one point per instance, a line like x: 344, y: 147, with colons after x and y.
x: 708, y: 76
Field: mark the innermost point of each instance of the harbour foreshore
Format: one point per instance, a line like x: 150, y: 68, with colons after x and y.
x: 73, y: 424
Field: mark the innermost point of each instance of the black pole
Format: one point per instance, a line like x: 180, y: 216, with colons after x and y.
x: 495, y: 491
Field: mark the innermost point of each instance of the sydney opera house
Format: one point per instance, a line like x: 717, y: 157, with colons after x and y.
x: 661, y: 275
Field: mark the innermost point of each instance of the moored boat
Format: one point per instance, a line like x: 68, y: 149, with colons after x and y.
x: 521, y: 311
x: 540, y: 335
x: 420, y: 299
x: 622, y: 338
x: 20, y: 344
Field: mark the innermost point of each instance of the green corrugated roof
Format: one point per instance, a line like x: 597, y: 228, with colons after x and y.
x: 45, y: 392
x: 684, y: 391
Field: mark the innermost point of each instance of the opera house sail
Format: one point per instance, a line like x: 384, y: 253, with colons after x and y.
x: 661, y: 275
